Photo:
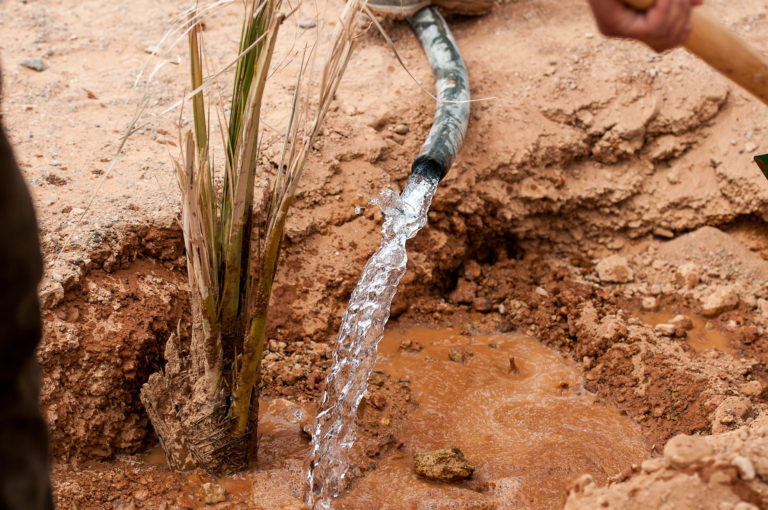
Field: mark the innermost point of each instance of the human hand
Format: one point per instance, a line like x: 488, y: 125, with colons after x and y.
x: 665, y: 25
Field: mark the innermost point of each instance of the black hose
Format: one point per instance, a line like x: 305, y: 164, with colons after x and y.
x: 452, y: 90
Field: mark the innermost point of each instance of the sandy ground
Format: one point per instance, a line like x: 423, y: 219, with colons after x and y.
x: 599, y: 179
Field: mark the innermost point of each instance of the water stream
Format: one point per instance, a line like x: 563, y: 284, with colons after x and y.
x: 362, y: 327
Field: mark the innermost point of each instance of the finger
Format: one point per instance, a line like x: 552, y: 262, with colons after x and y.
x: 660, y: 17
x: 612, y: 16
x: 678, y: 20
x: 683, y: 31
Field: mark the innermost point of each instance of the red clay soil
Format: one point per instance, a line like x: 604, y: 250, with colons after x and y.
x: 597, y: 178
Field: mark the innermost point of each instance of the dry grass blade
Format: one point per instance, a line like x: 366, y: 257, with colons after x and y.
x: 303, y: 129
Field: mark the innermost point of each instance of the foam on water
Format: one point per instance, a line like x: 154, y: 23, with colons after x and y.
x: 362, y: 328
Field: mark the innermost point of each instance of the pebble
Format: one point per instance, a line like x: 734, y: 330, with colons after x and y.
x: 721, y: 299
x: 663, y: 232
x: 745, y: 467
x: 401, y: 129
x: 688, y: 275
x: 212, y: 493
x: 682, y: 321
x: 307, y: 24
x: 36, y: 64
x: 666, y: 329
x: 614, y: 269
x: 482, y: 304
x: 750, y: 147
x: 448, y: 465
x: 650, y: 304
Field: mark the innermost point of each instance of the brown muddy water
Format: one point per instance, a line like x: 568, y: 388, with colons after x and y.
x: 515, y: 408
x: 701, y: 336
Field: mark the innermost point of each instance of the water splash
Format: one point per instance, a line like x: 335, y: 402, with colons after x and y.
x: 362, y: 327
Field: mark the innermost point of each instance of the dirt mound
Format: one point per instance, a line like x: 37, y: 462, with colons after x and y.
x: 725, y: 470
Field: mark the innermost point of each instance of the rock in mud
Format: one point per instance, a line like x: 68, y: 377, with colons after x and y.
x: 682, y: 322
x: 447, y: 465
x: 614, y: 269
x: 212, y: 493
x: 665, y: 329
x: 688, y: 275
x: 650, y: 304
x: 720, y: 300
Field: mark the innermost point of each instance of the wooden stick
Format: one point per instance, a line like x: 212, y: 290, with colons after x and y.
x: 723, y: 50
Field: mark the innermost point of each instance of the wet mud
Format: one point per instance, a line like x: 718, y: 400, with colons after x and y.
x: 517, y: 410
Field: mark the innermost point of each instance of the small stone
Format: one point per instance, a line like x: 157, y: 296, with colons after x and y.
x: 682, y: 451
x: 307, y: 24
x: 665, y: 329
x: 447, y: 465
x: 541, y: 291
x: 458, y: 355
x: 749, y: 334
x: 720, y: 300
x: 682, y: 322
x: 378, y: 401
x: 212, y: 493
x: 401, y: 129
x: 482, y: 304
x: 36, y: 64
x: 750, y: 147
x: 650, y: 304
x: 351, y: 110
x: 663, y: 232
x: 614, y: 269
x: 688, y: 275
x: 408, y: 345
x: 745, y: 467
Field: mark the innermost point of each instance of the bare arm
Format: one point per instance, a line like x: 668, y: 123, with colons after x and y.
x: 665, y: 25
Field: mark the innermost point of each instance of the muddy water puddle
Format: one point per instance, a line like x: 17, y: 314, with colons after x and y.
x: 277, y: 481
x: 516, y: 409
x: 701, y: 335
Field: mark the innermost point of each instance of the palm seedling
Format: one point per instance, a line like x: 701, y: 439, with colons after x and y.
x: 204, y: 404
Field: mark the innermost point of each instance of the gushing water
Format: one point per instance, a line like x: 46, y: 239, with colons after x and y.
x: 362, y: 327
